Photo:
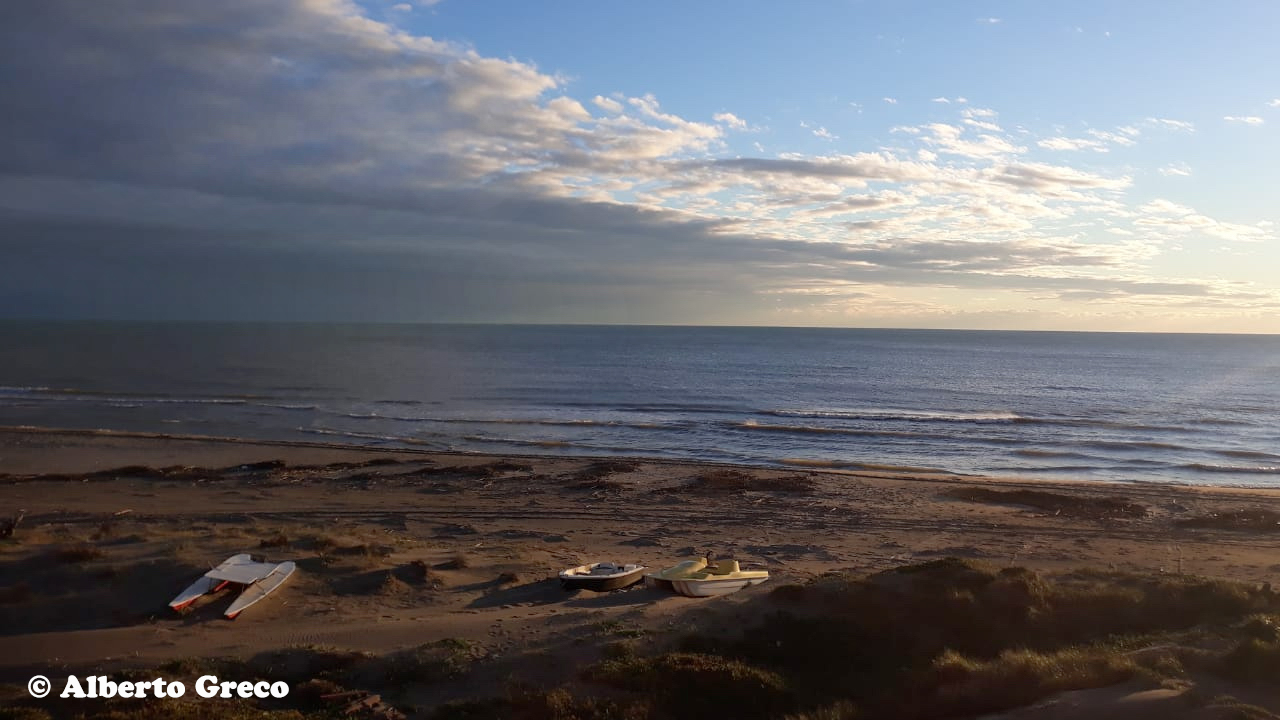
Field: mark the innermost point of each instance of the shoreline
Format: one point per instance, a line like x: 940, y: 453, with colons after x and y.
x: 870, y: 470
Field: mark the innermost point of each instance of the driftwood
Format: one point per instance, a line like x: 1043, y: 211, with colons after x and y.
x: 8, y: 526
x: 358, y: 703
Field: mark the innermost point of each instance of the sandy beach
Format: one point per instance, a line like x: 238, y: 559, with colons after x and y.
x: 400, y: 549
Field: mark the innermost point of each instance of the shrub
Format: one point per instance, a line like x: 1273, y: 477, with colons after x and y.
x: 1253, y: 661
x: 457, y: 562
x: 277, y: 540
x: 964, y: 686
x: 687, y: 685
x: 79, y: 553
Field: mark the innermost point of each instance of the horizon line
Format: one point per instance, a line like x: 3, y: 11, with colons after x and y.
x: 491, y: 323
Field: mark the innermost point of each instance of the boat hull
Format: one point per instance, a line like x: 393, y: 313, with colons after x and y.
x: 657, y: 582
x: 713, y: 587
x: 207, y: 584
x: 198, y: 589
x: 662, y: 579
x: 260, y: 589
x: 601, y: 584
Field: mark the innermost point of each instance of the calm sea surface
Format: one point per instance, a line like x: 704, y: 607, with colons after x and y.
x: 1201, y: 409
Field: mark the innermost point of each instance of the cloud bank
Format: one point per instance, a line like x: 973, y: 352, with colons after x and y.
x: 304, y: 160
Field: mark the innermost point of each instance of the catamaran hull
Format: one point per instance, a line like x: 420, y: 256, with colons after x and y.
x: 206, y: 585
x: 260, y: 589
x: 198, y: 589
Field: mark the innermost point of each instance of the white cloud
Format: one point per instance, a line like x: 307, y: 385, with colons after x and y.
x: 1115, y: 138
x: 1244, y: 119
x: 402, y: 7
x: 825, y: 134
x: 1274, y: 103
x: 609, y: 105
x: 1063, y: 143
x: 1176, y: 170
x: 941, y: 100
x: 950, y: 139
x: 1038, y: 176
x: 728, y: 118
x: 1177, y: 218
x: 1098, y: 140
x: 1171, y: 124
x: 860, y: 204
x: 891, y: 101
x: 983, y: 125
x: 989, y: 20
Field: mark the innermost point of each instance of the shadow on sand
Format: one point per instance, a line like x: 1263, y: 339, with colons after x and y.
x: 548, y: 592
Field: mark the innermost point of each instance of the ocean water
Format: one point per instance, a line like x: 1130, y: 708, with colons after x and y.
x: 1200, y: 409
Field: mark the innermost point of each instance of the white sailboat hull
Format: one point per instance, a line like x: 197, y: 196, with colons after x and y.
x: 207, y: 583
x: 260, y: 589
x: 195, y: 591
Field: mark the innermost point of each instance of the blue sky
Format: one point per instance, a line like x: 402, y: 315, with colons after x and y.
x: 1085, y: 165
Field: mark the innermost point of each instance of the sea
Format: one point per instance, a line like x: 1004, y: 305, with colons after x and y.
x: 1128, y: 407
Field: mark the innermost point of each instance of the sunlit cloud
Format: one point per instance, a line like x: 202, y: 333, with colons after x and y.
x: 728, y: 118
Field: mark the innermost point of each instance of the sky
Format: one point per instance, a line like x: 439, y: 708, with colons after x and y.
x: 896, y: 163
